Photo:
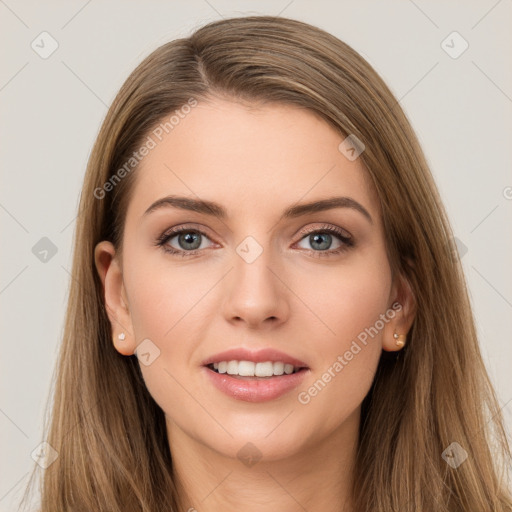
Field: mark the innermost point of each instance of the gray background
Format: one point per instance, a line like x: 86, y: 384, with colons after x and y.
x: 51, y: 110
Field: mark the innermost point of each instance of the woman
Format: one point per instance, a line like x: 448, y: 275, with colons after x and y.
x: 267, y: 311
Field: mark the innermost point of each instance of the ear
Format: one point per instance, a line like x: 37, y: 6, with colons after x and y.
x: 403, y: 303
x: 116, y: 303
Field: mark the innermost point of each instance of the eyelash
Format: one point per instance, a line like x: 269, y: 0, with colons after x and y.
x: 347, y: 242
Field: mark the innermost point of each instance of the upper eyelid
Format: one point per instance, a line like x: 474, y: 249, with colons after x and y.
x: 185, y: 227
x: 327, y: 227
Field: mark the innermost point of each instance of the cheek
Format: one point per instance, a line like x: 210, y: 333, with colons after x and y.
x: 345, y: 342
x: 166, y: 308
x: 172, y: 307
x: 345, y: 299
x: 161, y: 295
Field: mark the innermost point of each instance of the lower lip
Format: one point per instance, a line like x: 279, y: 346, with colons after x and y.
x: 254, y: 389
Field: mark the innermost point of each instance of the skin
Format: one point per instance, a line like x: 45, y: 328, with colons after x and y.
x: 310, y: 307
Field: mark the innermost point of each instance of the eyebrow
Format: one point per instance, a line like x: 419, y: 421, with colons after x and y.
x: 297, y: 210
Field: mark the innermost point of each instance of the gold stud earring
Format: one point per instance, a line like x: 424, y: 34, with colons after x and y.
x: 121, y: 337
x: 400, y: 339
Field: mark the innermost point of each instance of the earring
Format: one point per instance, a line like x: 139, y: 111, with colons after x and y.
x: 121, y: 336
x: 400, y: 339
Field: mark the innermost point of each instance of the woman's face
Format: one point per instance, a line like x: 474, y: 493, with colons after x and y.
x: 314, y: 284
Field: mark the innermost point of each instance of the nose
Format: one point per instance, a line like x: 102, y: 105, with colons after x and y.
x: 256, y: 294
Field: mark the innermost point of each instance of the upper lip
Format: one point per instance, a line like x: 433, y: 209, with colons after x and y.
x: 258, y: 356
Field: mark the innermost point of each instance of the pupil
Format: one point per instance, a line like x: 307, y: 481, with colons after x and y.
x: 190, y: 238
x: 318, y: 238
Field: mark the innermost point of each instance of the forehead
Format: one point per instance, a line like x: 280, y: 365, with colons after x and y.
x: 251, y: 159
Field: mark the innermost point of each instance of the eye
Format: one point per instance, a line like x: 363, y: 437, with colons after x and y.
x: 321, y: 240
x: 188, y: 241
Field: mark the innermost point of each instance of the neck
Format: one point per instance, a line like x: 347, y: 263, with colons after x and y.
x: 316, y: 478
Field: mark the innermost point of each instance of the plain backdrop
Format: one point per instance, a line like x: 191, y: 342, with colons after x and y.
x: 459, y: 102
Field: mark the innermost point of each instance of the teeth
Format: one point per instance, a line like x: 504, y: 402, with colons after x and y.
x: 278, y: 368
x: 263, y: 369
x: 251, y: 369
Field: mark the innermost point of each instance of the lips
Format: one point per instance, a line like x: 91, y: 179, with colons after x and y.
x: 255, y: 388
x: 259, y: 356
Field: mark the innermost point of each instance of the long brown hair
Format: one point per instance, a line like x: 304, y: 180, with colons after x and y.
x: 110, y: 435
